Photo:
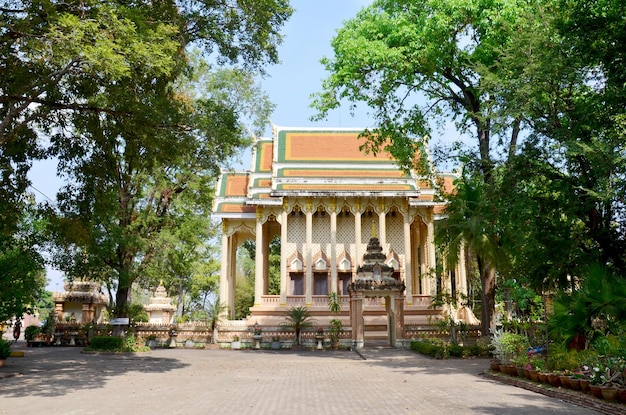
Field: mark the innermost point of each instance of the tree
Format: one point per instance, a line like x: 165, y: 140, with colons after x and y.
x: 56, y: 54
x: 22, y: 268
x: 98, y: 81
x: 216, y: 312
x: 471, y: 223
x: 134, y: 185
x: 571, y: 171
x: 413, y: 60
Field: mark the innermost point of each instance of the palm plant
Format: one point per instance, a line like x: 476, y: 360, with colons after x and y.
x: 471, y: 223
x: 298, y: 318
x: 216, y: 312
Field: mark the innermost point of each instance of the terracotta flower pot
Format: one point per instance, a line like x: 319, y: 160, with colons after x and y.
x: 543, y: 377
x: 554, y: 380
x: 565, y: 381
x: 533, y: 375
x: 621, y: 395
x: 574, y: 384
x: 596, y: 391
x: 584, y: 385
x: 521, y: 372
x: 609, y: 393
x: 494, y: 366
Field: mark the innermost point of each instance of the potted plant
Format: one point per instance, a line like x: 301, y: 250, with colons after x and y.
x: 235, y: 343
x: 151, y: 341
x: 5, y: 350
x: 335, y: 330
x: 275, y: 342
x: 298, y: 318
x: 30, y: 332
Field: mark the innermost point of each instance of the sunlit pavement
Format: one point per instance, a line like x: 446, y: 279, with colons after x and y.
x: 62, y: 380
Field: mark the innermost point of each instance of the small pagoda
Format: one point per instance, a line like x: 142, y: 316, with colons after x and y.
x: 160, y: 309
x: 375, y: 279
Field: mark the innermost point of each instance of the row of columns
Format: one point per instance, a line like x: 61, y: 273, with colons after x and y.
x: 229, y: 247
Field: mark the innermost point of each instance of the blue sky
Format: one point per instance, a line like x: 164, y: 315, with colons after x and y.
x: 307, y: 37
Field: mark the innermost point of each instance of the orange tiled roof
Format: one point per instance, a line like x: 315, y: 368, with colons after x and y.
x: 298, y: 162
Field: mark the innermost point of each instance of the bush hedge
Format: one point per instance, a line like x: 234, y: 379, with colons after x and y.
x: 440, y: 350
x: 106, y: 343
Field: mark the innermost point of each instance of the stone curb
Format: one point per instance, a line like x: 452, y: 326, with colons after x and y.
x: 574, y: 397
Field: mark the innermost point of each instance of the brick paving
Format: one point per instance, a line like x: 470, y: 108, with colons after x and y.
x: 377, y: 381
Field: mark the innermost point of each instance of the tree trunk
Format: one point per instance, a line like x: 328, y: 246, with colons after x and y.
x: 180, y: 307
x: 488, y: 281
x: 215, y: 334
x: 121, y: 302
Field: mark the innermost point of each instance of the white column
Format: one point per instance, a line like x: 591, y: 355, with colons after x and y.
x: 259, y: 271
x: 232, y: 273
x: 283, y: 258
x: 225, y: 268
x: 408, y: 275
x: 461, y: 274
x: 333, y: 250
x: 419, y: 256
x: 382, y: 231
x: 431, y: 260
x: 357, y: 237
x: 307, y: 259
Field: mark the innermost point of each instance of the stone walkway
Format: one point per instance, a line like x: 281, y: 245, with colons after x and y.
x: 377, y: 381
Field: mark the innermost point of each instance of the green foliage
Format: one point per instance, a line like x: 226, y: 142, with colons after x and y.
x: 5, y: 348
x: 442, y: 350
x: 510, y: 347
x: 216, y: 312
x: 244, y: 296
x: 594, y: 310
x: 30, y: 332
x: 137, y: 314
x: 428, y: 349
x: 127, y: 344
x: 334, y: 306
x: 274, y: 267
x: 138, y: 125
x: 22, y: 270
x: 106, y: 343
x: 472, y: 224
x: 297, y: 319
x: 335, y: 330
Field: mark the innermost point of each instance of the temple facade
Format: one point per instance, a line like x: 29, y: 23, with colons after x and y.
x: 325, y: 199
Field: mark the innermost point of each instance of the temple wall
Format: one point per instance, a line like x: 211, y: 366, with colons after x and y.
x: 395, y: 234
x: 345, y: 237
x: 296, y: 235
x: 321, y: 236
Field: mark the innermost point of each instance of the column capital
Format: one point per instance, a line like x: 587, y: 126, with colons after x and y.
x: 308, y: 206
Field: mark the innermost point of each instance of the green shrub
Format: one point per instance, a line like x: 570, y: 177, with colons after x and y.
x: 454, y: 350
x: 30, y: 332
x: 106, y: 343
x: 428, y: 349
x: 439, y: 349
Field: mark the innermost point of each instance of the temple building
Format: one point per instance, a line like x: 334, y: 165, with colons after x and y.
x: 326, y: 200
x: 81, y: 302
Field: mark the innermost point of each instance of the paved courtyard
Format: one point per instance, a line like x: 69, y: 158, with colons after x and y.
x: 388, y: 381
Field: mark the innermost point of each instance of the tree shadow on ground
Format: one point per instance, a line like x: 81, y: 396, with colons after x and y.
x: 57, y: 371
